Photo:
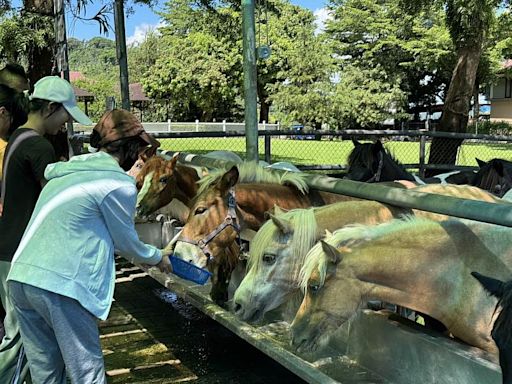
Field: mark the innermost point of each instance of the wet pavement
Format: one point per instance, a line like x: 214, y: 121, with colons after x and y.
x: 153, y: 336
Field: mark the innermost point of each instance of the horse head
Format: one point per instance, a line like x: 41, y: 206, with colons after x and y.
x: 494, y: 176
x: 212, y: 229
x: 501, y: 331
x: 156, y: 182
x: 144, y: 156
x: 322, y: 311
x: 370, y: 163
x: 275, y: 258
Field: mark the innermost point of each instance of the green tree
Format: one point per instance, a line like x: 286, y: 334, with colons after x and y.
x: 413, y: 51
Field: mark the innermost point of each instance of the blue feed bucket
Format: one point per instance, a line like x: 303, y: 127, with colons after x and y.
x: 189, y: 271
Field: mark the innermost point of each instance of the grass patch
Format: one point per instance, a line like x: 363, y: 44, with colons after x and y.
x: 326, y: 152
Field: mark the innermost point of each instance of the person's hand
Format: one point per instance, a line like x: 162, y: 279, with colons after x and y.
x: 165, y: 264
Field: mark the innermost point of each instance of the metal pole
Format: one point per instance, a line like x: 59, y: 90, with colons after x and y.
x: 423, y: 143
x: 249, y: 54
x: 268, y: 149
x: 61, y: 43
x: 121, y: 53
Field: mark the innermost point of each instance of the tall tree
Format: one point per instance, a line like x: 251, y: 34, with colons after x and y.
x: 469, y: 23
x: 413, y: 51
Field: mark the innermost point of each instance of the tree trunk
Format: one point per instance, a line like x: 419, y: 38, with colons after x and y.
x: 40, y: 59
x: 264, y: 111
x: 456, y: 107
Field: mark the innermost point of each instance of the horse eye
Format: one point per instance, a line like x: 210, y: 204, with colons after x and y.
x: 269, y: 259
x: 163, y: 179
x: 314, y: 288
x: 200, y: 210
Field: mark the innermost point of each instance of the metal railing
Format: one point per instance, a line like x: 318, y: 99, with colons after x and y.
x: 329, y: 150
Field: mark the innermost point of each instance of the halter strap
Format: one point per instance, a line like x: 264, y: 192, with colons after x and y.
x: 231, y: 220
x: 376, y: 177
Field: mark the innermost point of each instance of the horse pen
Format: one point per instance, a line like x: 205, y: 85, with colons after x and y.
x: 376, y: 347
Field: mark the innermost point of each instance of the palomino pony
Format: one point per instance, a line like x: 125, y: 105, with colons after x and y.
x: 279, y: 248
x: 372, y: 163
x: 501, y: 331
x: 223, y: 207
x: 419, y: 264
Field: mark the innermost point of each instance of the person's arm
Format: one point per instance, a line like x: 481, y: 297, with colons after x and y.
x: 118, y: 209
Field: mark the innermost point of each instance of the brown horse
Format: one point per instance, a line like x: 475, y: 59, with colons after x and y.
x: 144, y: 155
x: 279, y: 248
x: 420, y: 264
x: 160, y: 181
x: 222, y: 208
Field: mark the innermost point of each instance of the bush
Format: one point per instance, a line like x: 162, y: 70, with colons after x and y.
x: 491, y: 128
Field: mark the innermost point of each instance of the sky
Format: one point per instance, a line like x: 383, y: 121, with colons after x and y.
x: 144, y: 19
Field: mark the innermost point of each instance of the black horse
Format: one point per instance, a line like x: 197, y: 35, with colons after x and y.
x: 494, y: 176
x: 502, y: 328
x: 372, y: 163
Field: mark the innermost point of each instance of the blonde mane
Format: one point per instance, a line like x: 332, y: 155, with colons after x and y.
x: 350, y: 235
x: 251, y: 172
x: 305, y: 233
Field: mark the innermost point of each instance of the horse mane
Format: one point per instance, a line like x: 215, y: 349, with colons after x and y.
x: 251, y: 172
x: 503, y: 323
x: 349, y: 236
x: 304, y: 236
x: 363, y: 154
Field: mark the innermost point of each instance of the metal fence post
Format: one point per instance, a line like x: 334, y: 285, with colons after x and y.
x: 267, y: 149
x: 224, y: 125
x: 197, y: 125
x: 264, y: 125
x: 169, y: 125
x: 423, y: 144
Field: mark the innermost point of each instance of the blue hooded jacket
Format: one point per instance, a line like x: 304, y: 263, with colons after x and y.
x: 84, y: 212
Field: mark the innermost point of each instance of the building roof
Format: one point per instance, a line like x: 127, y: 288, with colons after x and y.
x: 137, y: 93
x: 75, y: 75
x: 82, y: 95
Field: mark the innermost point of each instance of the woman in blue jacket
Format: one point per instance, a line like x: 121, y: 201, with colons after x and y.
x: 63, y: 273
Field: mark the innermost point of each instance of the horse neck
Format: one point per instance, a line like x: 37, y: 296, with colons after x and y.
x: 428, y: 271
x: 392, y: 171
x: 253, y: 200
x: 334, y: 216
x: 186, y: 182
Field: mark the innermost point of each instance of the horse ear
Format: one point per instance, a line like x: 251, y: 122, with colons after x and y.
x: 229, y: 179
x: 377, y: 147
x: 480, y: 163
x: 332, y: 252
x: 355, y: 142
x: 328, y: 233
x: 498, y: 166
x: 171, y: 164
x: 148, y: 152
x: 493, y: 286
x: 284, y: 226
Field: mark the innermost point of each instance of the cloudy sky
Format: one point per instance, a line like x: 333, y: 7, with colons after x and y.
x: 144, y: 19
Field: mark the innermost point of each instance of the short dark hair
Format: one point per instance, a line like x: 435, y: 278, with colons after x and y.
x: 15, y: 69
x: 17, y: 105
x: 14, y: 76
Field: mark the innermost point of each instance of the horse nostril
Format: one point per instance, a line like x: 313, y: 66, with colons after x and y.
x: 190, y: 261
x: 238, y: 307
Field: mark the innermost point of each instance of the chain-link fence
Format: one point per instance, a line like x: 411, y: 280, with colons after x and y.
x: 329, y: 151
